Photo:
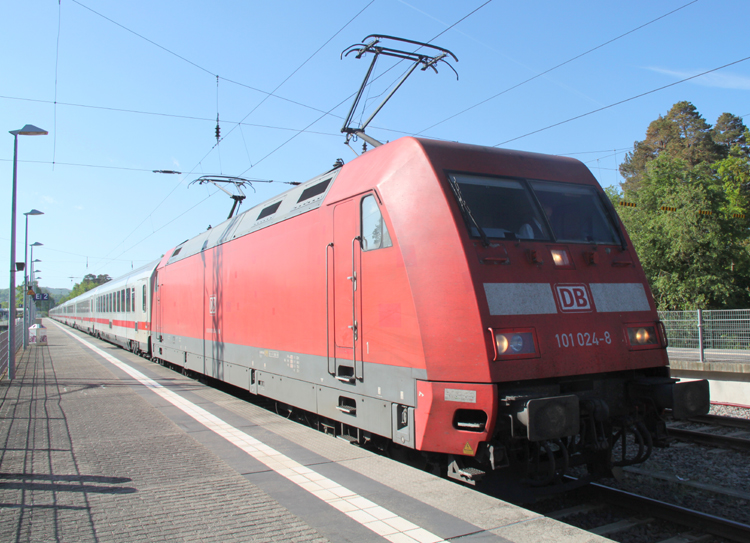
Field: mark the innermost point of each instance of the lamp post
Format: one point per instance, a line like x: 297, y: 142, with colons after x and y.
x: 26, y: 279
x: 28, y: 130
x: 31, y: 274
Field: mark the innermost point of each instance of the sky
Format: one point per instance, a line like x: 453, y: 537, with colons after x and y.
x: 126, y: 88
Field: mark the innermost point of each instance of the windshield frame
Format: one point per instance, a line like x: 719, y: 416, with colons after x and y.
x: 476, y: 230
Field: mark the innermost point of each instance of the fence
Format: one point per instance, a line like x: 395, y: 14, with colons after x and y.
x: 718, y: 335
x: 4, y: 345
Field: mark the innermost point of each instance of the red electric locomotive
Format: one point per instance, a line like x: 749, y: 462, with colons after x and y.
x: 481, y: 307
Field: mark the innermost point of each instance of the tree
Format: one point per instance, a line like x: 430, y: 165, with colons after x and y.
x: 89, y: 281
x: 682, y: 134
x: 730, y: 132
x: 691, y: 187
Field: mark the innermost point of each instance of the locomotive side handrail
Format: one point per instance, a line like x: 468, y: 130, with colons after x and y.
x: 331, y: 369
x: 357, y: 374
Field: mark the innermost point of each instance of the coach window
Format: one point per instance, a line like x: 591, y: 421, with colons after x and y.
x: 127, y: 300
x: 144, y: 297
x: 374, y: 231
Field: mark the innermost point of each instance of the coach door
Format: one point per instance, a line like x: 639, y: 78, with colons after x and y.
x: 345, y: 345
x: 157, y: 333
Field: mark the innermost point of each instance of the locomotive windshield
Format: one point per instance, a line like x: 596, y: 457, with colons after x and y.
x: 502, y: 208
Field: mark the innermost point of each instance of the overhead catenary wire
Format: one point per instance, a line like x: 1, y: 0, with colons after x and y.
x: 555, y: 67
x: 246, y: 116
x: 302, y: 65
x: 206, y: 70
x: 623, y: 101
x: 375, y: 79
x: 172, y: 115
x: 108, y: 260
x: 287, y: 141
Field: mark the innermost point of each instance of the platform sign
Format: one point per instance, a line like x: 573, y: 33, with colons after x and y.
x: 43, y: 296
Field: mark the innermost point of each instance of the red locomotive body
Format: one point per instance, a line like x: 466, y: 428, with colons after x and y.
x: 482, y: 306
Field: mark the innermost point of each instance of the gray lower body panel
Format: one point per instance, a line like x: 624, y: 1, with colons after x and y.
x: 304, y: 381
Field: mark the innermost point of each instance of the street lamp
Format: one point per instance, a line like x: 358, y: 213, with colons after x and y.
x: 31, y: 273
x: 28, y: 130
x: 26, y: 279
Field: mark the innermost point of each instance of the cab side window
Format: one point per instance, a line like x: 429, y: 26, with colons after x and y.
x: 374, y: 231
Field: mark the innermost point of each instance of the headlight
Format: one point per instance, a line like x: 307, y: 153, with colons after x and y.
x: 501, y: 342
x: 643, y: 336
x: 560, y: 258
x: 514, y: 343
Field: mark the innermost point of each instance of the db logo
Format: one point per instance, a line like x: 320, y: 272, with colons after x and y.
x: 573, y: 298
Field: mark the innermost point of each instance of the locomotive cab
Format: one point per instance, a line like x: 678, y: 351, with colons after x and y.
x: 575, y: 363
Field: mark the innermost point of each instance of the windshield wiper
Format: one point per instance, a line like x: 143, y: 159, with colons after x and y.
x: 466, y: 211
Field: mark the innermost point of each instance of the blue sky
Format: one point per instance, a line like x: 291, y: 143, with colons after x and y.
x: 136, y: 91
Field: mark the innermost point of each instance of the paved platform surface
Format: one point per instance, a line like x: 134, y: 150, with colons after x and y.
x: 101, y: 445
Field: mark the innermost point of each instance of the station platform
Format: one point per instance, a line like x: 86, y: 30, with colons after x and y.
x: 728, y: 373
x: 101, y: 445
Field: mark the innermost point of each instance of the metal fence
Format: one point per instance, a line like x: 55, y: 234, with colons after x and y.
x: 712, y: 335
x: 4, y: 345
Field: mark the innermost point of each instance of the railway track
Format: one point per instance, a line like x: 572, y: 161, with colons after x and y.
x: 699, y: 523
x: 740, y: 439
x: 624, y: 516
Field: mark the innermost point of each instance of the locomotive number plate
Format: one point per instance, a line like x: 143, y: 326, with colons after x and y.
x: 582, y: 339
x: 464, y: 396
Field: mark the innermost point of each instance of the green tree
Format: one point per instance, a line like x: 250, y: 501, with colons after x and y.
x: 729, y: 131
x: 89, y: 281
x: 695, y: 256
x: 682, y: 134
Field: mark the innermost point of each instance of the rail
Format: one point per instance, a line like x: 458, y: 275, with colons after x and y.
x: 716, y: 335
x: 4, y: 345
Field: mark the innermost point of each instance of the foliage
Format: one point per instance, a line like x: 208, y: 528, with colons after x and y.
x: 89, y: 281
x: 692, y: 259
x: 685, y: 135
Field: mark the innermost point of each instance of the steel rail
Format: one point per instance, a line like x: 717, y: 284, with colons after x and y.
x: 704, y: 438
x: 718, y: 420
x: 721, y: 527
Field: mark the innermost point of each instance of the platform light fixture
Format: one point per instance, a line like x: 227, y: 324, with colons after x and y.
x: 33, y: 279
x: 26, y: 279
x: 28, y: 130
